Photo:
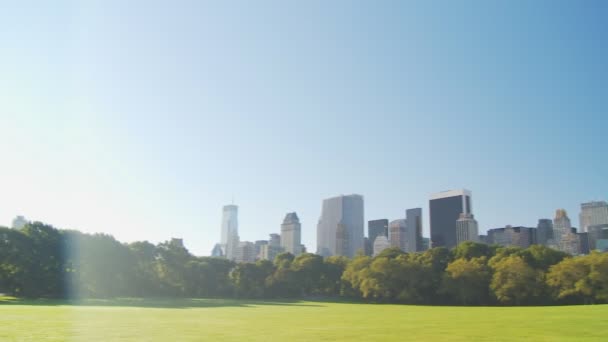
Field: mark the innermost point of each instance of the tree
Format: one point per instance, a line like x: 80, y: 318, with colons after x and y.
x: 470, y: 249
x: 308, y: 269
x: 516, y: 283
x: 331, y: 278
x: 468, y: 280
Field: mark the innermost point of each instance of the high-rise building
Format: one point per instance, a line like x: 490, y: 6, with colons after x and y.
x: 583, y: 243
x: 369, y: 248
x: 217, y: 251
x: 563, y: 237
x: 561, y: 224
x: 381, y: 243
x: 512, y: 236
x: 258, y: 247
x: 230, y: 230
x: 597, y: 232
x: 291, y: 234
x: 445, y: 208
x: 426, y: 243
x: 375, y: 228
x: 273, y: 248
x: 593, y: 214
x: 19, y: 222
x: 466, y: 229
x: 245, y: 252
x: 341, y: 217
x: 396, y: 234
x: 413, y: 230
x: 544, y: 231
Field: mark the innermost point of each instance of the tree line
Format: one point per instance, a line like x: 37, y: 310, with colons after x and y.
x: 39, y: 261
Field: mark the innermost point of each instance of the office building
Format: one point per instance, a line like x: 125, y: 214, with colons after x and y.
x: 245, y: 252
x: 593, y: 214
x: 217, y: 251
x: 597, y: 232
x: 341, y: 218
x: 445, y: 209
x: 466, y: 229
x: 564, y: 238
x: 230, y: 230
x: 583, y: 243
x: 561, y: 224
x: 396, y: 234
x: 273, y: 248
x: 381, y: 243
x: 510, y: 236
x: 413, y: 230
x: 602, y: 245
x: 291, y: 234
x: 376, y: 228
x: 369, y: 248
x: 544, y: 231
x: 258, y: 248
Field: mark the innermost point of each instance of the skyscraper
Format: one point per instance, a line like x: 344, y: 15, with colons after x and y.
x: 376, y: 228
x: 381, y: 243
x: 230, y: 230
x: 561, y: 224
x: 413, y: 230
x: 445, y: 208
x: 466, y: 229
x: 273, y: 248
x: 396, y: 234
x: 346, y: 213
x: 564, y: 238
x: 544, y: 231
x: 593, y: 214
x: 291, y: 234
x: 596, y: 233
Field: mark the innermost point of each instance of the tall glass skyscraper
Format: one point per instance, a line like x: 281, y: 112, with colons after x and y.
x: 544, y: 231
x: 230, y: 230
x: 445, y: 208
x: 340, y: 230
x: 376, y: 228
x: 413, y: 233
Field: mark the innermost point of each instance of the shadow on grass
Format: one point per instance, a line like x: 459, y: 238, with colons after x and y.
x: 167, y: 303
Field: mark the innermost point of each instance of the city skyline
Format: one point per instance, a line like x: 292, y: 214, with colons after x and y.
x: 141, y: 120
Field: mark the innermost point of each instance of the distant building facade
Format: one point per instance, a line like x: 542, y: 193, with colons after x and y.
x: 376, y: 228
x: 510, y: 236
x: 593, y: 214
x: 544, y: 231
x: 381, y: 243
x: 340, y: 229
x: 230, y: 231
x: 273, y: 248
x: 291, y: 234
x: 595, y: 233
x: 413, y: 230
x: 245, y: 252
x: 217, y: 251
x: 396, y: 232
x: 445, y: 209
x: 466, y: 229
x: 564, y: 239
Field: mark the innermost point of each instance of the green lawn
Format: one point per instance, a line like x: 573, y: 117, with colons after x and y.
x: 225, y: 320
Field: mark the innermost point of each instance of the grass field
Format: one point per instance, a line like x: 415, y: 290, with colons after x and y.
x: 226, y: 320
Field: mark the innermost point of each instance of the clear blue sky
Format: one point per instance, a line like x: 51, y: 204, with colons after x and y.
x: 142, y: 118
